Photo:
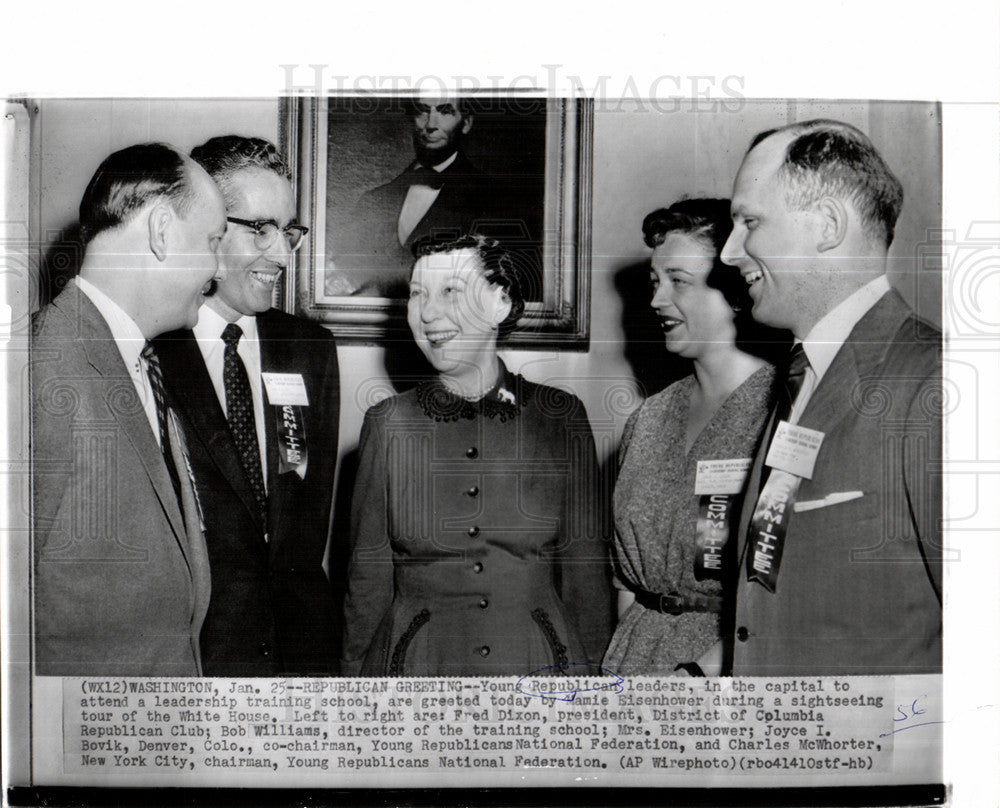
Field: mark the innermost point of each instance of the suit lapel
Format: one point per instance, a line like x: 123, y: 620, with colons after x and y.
x: 834, y: 399
x: 831, y: 400
x: 437, y: 215
x: 194, y: 546
x: 204, y: 414
x: 103, y: 355
x: 836, y: 395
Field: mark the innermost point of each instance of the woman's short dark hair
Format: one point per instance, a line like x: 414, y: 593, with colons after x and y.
x: 498, y: 266
x: 709, y: 221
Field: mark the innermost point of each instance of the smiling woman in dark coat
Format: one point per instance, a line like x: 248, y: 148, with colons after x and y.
x: 477, y: 538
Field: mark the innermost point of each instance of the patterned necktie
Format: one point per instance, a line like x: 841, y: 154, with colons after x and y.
x: 239, y: 414
x: 155, y: 374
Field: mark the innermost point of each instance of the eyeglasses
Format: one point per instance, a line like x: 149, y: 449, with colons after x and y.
x: 265, y: 232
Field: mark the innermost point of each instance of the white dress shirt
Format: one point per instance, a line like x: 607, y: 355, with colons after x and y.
x: 825, y: 338
x: 208, y: 333
x: 130, y: 342
x: 418, y: 201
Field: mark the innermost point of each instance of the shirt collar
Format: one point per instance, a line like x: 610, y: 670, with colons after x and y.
x: 211, y: 324
x: 445, y: 163
x: 825, y: 338
x: 127, y: 335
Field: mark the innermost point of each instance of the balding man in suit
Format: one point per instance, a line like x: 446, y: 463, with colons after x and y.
x: 121, y: 574
x: 841, y: 537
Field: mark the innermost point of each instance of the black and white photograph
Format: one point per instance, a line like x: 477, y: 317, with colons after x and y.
x: 745, y: 486
x: 456, y: 440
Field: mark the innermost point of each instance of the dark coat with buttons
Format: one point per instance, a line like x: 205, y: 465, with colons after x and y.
x: 479, y: 545
x: 272, y: 610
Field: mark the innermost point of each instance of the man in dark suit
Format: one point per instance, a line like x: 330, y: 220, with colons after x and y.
x: 441, y: 193
x: 121, y: 574
x: 261, y: 390
x: 840, y: 554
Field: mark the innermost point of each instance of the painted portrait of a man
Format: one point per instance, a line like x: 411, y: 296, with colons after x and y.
x: 471, y: 166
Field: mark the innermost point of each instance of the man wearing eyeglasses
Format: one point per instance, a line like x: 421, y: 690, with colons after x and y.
x: 261, y: 389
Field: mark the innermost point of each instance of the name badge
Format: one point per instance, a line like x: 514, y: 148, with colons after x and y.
x: 721, y: 476
x: 285, y: 388
x: 794, y: 449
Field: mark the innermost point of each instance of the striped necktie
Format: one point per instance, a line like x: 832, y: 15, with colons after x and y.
x: 155, y: 374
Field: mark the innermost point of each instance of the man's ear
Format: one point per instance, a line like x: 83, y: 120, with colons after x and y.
x: 159, y: 221
x: 466, y: 124
x: 834, y: 219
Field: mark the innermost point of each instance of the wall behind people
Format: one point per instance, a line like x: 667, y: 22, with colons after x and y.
x: 644, y: 158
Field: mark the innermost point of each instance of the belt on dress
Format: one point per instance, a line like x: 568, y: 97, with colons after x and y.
x: 676, y: 603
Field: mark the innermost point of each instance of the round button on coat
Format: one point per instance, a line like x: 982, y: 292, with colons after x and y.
x: 473, y: 531
x: 477, y: 567
x: 473, y: 492
x: 472, y: 453
x: 742, y: 634
x: 484, y: 651
x: 484, y: 604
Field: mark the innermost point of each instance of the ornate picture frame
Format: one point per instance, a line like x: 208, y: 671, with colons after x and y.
x: 545, y: 144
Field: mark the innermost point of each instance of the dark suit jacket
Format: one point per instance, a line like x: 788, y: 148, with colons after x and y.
x: 272, y: 610
x: 121, y: 578
x: 859, y: 587
x: 470, y: 201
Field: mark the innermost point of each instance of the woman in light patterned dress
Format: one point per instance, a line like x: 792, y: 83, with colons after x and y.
x: 672, y: 559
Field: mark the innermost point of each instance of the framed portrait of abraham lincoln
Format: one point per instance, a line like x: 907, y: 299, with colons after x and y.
x: 376, y: 175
